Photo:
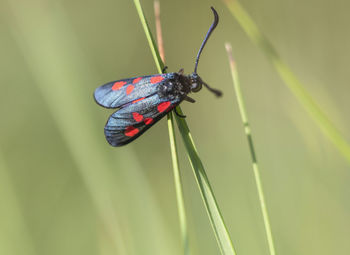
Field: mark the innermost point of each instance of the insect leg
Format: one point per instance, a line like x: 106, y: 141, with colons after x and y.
x: 164, y: 69
x: 181, y: 71
x: 178, y: 114
x: 189, y: 99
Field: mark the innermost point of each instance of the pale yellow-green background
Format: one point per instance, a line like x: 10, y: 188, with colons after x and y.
x: 63, y: 190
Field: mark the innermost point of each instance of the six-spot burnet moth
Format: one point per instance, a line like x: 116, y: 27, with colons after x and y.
x: 144, y: 100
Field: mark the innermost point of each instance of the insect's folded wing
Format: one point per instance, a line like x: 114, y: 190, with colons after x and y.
x: 116, y: 94
x: 134, y: 119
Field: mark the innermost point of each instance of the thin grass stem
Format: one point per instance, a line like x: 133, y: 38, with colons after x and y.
x: 290, y: 79
x: 178, y: 187
x: 215, y: 217
x: 247, y: 130
x: 159, y: 30
x: 174, y: 155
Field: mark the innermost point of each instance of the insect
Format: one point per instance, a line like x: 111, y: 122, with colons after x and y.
x: 144, y: 100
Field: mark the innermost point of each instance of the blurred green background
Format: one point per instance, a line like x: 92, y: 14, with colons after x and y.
x: 64, y: 190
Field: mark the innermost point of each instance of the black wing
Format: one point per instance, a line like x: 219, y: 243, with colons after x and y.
x: 134, y: 119
x: 115, y: 94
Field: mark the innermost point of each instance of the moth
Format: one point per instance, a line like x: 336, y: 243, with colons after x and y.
x: 144, y: 100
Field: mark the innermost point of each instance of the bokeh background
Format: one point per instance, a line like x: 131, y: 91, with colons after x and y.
x: 64, y: 190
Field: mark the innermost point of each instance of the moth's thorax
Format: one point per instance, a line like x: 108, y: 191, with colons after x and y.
x: 176, y: 86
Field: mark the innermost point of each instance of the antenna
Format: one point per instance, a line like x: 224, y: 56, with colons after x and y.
x: 211, y: 29
x: 217, y: 92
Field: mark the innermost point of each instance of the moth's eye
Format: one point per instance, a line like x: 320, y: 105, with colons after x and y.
x: 196, y: 87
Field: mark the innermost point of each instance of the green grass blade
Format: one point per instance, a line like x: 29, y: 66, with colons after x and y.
x: 247, y: 130
x: 174, y: 155
x: 150, y: 39
x: 178, y: 186
x: 216, y: 219
x: 290, y: 79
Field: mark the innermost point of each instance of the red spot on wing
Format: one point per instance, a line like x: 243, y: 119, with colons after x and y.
x: 138, y: 117
x: 156, y: 79
x: 137, y: 100
x: 137, y: 80
x: 117, y: 85
x: 131, y: 131
x: 163, y: 106
x: 148, y: 121
x: 129, y: 89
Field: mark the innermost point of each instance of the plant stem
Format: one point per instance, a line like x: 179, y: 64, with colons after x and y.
x: 173, y: 147
x: 247, y: 131
x: 290, y: 79
x: 215, y: 217
x: 178, y: 187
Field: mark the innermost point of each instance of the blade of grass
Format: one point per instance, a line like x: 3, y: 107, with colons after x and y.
x: 290, y: 79
x: 207, y: 194
x: 247, y: 131
x: 159, y: 30
x: 151, y: 42
x: 174, y: 155
x: 178, y: 187
x: 216, y: 219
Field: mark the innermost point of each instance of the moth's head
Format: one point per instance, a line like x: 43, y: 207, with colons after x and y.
x: 197, y: 83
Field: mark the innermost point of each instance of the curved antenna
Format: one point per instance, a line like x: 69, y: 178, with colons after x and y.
x: 211, y: 29
x: 217, y: 92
